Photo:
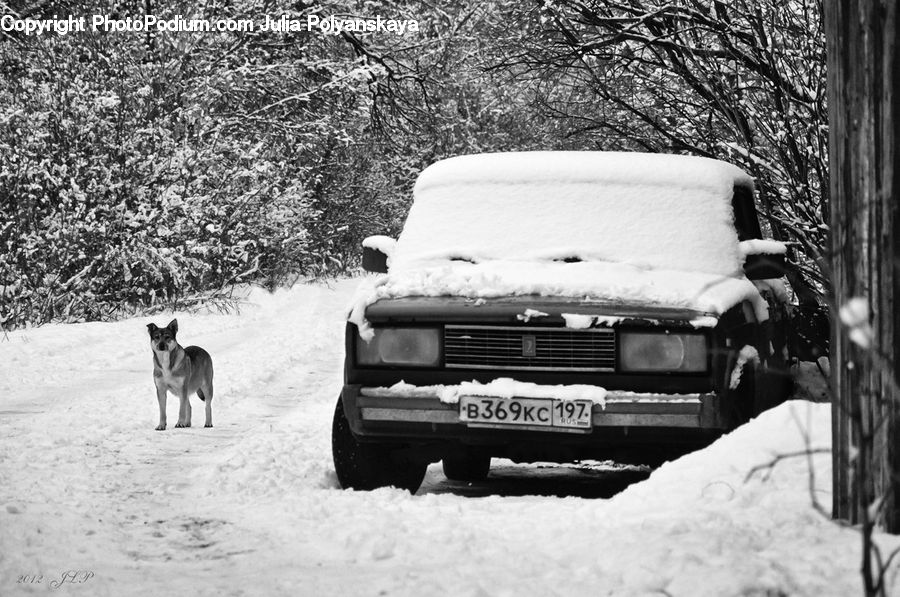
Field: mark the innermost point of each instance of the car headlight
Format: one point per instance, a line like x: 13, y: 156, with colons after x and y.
x: 654, y: 351
x: 410, y: 347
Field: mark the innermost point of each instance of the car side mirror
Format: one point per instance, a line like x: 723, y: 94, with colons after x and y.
x: 762, y: 266
x: 376, y: 252
x: 763, y: 258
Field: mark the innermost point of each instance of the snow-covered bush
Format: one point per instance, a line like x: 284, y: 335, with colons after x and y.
x: 137, y: 171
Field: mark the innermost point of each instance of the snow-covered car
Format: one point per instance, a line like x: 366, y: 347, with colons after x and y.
x: 559, y: 306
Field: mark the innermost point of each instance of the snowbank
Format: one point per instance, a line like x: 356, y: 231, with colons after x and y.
x: 710, y: 527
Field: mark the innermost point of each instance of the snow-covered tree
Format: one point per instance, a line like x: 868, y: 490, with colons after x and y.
x: 742, y: 81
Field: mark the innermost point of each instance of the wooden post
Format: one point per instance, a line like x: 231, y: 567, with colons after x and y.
x: 864, y: 141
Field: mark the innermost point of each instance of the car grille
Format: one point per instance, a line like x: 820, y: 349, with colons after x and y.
x: 497, y: 347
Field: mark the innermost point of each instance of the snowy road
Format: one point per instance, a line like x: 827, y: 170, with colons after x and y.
x: 251, y: 507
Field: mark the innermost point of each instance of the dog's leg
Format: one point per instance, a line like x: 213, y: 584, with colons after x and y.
x: 207, y: 397
x: 161, y: 398
x: 184, y: 410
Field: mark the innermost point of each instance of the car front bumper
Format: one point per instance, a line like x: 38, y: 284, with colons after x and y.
x: 387, y: 412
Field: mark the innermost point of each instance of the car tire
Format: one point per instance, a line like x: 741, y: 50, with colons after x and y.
x: 779, y: 386
x: 366, y: 466
x: 774, y: 384
x: 467, y: 466
x: 762, y: 387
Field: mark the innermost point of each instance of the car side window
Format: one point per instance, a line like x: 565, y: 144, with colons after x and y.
x: 745, y: 219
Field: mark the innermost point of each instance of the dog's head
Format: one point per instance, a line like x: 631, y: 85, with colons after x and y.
x: 163, y: 339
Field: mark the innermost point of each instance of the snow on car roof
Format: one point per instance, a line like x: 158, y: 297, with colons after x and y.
x: 646, y: 210
x: 635, y: 168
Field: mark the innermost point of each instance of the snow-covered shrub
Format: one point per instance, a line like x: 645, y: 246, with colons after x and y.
x: 140, y: 171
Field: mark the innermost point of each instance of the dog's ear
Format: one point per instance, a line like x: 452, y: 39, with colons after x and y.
x: 152, y: 327
x: 173, y: 325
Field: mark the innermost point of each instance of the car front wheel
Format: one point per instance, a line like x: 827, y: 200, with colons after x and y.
x: 367, y: 466
x: 467, y: 466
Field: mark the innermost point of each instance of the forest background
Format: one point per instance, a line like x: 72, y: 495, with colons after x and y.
x: 145, y: 171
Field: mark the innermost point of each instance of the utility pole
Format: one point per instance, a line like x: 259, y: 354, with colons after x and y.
x: 864, y: 142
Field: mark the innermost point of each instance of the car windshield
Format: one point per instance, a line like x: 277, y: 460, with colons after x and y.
x: 660, y: 212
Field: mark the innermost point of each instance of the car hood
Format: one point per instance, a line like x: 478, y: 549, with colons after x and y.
x: 606, y: 288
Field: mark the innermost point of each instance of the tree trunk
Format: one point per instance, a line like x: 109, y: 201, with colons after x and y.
x: 864, y: 139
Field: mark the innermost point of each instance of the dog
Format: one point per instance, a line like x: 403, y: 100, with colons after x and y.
x: 182, y: 371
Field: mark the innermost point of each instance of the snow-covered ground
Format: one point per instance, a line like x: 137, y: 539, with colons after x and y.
x: 252, y: 507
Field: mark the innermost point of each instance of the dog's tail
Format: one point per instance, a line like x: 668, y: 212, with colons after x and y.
x: 200, y: 395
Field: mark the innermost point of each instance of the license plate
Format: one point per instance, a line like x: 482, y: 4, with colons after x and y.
x: 542, y: 414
